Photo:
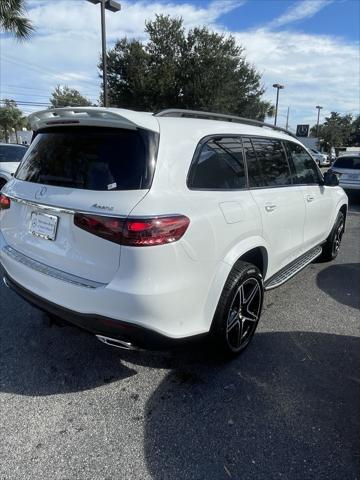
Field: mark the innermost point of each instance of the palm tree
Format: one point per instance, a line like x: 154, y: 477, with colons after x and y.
x: 12, y: 19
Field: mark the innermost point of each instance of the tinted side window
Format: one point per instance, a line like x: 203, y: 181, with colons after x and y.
x: 305, y: 169
x: 253, y: 165
x: 267, y: 163
x: 219, y: 165
x: 11, y: 153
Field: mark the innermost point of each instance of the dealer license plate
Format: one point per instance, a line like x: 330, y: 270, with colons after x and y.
x: 43, y: 225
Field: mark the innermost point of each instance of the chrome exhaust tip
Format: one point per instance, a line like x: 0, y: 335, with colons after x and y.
x: 115, y: 342
x: 6, y: 282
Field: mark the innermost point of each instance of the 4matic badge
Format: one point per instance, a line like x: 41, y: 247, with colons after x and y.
x: 102, y: 207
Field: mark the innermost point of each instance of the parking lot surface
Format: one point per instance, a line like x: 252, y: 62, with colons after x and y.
x: 288, y: 408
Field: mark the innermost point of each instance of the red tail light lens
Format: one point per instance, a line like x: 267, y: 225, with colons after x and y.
x: 136, y: 232
x: 105, y: 227
x: 4, y: 202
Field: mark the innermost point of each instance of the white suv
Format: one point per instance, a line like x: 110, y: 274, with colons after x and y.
x: 148, y: 230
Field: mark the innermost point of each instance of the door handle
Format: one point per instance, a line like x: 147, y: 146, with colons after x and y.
x: 270, y: 207
x: 310, y: 198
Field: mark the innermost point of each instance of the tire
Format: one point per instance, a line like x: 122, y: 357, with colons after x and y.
x: 238, y: 311
x: 332, y: 246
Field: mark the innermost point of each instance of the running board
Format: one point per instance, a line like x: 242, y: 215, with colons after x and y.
x: 293, y: 268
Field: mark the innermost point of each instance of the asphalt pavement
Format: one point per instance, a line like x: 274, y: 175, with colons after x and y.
x: 288, y: 408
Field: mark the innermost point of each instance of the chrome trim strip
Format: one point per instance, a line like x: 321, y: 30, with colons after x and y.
x: 50, y: 208
x: 100, y: 213
x: 40, y: 205
x: 50, y: 271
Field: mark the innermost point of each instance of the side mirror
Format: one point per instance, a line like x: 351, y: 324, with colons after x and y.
x: 330, y: 179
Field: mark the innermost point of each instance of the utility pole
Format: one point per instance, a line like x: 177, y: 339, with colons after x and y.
x: 287, y: 119
x: 278, y: 87
x: 318, y: 120
x: 113, y: 7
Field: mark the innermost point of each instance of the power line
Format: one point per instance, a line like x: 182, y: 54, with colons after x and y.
x: 39, y: 104
x: 8, y: 86
x: 41, y: 69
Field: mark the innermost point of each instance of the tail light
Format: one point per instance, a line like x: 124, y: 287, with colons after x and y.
x: 4, y: 202
x: 136, y: 232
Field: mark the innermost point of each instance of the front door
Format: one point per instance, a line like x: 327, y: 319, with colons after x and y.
x: 281, y: 204
x: 317, y: 198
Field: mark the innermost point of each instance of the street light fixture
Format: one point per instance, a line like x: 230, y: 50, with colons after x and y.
x: 318, y: 119
x: 278, y: 87
x: 113, y: 7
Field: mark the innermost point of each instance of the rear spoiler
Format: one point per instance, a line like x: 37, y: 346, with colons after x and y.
x: 93, y: 116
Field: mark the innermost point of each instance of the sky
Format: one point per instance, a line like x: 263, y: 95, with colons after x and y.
x: 309, y: 46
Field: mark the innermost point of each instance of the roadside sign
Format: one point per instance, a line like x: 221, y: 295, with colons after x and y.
x: 302, y: 130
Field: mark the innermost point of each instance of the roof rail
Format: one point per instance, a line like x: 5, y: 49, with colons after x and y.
x: 177, y: 112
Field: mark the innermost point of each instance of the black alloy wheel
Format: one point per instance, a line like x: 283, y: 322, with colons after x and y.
x: 239, y: 309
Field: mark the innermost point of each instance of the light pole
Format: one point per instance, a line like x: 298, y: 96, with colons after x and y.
x: 278, y: 87
x: 287, y: 119
x: 318, y: 119
x: 113, y: 7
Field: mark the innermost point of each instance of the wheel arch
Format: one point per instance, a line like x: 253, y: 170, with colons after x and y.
x: 257, y: 256
x: 252, y: 251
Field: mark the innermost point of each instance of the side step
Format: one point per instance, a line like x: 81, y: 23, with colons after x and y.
x: 293, y: 268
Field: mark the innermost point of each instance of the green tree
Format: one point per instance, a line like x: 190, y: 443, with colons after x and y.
x: 335, y: 131
x: 199, y: 69
x: 13, y: 20
x: 65, y: 97
x: 354, y: 139
x: 11, y: 118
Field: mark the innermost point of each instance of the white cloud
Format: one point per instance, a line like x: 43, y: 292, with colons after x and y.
x: 299, y: 11
x: 315, y: 69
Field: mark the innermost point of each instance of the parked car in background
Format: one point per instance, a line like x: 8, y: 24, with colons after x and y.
x: 151, y: 230
x: 322, y: 159
x: 10, y: 157
x: 347, y: 167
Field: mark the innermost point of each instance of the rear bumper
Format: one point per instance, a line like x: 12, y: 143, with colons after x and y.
x: 137, y: 336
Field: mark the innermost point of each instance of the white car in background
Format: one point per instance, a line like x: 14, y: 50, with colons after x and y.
x: 322, y: 159
x: 10, y: 157
x: 347, y: 167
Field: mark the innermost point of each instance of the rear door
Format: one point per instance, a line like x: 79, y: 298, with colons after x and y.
x: 280, y: 203
x: 97, y: 170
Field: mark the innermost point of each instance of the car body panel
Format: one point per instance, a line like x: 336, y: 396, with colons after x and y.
x: 348, y: 178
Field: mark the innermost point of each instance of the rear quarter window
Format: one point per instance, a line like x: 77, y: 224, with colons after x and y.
x: 219, y: 165
x: 91, y: 158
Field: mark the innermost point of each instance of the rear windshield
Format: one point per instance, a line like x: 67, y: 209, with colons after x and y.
x: 348, y: 162
x: 91, y: 158
x: 11, y: 153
